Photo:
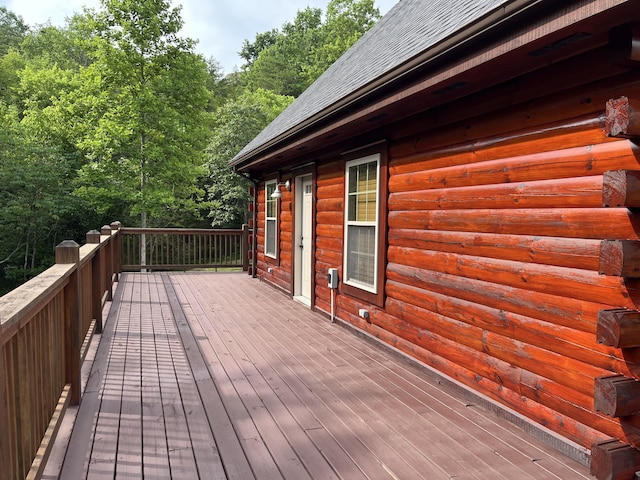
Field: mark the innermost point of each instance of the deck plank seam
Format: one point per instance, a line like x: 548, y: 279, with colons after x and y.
x: 196, y: 356
x: 284, y: 362
x: 267, y: 396
x: 228, y: 306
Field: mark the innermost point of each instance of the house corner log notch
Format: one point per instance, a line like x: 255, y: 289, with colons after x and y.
x: 614, y: 460
x: 621, y: 188
x: 622, y: 118
x: 617, y: 395
x: 618, y: 327
x: 620, y: 258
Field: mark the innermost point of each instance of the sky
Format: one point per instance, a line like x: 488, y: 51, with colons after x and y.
x: 220, y: 26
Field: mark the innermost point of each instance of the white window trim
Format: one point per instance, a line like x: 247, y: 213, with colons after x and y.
x: 267, y: 199
x: 372, y: 289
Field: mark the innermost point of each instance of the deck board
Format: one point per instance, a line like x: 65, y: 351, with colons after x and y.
x: 217, y: 376
x: 225, y: 442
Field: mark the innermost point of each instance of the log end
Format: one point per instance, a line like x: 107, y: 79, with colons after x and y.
x: 614, y: 460
x: 620, y: 258
x: 617, y: 117
x: 619, y: 328
x: 617, y: 395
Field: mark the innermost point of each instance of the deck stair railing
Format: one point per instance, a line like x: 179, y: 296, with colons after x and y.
x: 46, y: 326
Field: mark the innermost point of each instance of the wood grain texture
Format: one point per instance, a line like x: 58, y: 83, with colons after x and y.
x: 619, y: 327
x: 585, y: 161
x: 562, y: 252
x: 582, y: 223
x: 621, y: 188
x: 613, y: 459
x: 620, y: 258
x: 623, y: 117
x: 617, y: 395
x: 561, y: 193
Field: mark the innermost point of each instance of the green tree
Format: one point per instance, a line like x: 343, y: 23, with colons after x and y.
x: 222, y: 87
x: 12, y: 30
x: 289, y: 60
x: 10, y: 66
x: 346, y: 21
x: 280, y: 66
x: 38, y: 210
x: 139, y: 113
x: 238, y: 121
x: 251, y: 50
x: 61, y: 46
x: 12, y: 33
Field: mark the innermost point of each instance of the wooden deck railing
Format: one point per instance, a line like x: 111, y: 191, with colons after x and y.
x: 47, y: 323
x: 183, y: 249
x: 45, y: 328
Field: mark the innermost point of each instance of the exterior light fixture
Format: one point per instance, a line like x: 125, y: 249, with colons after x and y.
x: 277, y: 193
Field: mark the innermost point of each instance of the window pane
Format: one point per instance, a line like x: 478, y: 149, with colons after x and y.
x: 353, y: 179
x: 361, y: 254
x: 372, y: 176
x: 361, y: 223
x: 352, y: 207
x: 362, y: 200
x: 370, y: 215
x: 271, y: 211
x: 270, y: 237
x: 363, y: 176
x: 271, y: 202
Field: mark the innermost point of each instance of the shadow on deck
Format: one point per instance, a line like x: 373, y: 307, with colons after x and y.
x: 217, y: 376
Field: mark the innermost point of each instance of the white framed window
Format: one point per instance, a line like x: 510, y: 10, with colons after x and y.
x: 271, y: 220
x: 362, y: 223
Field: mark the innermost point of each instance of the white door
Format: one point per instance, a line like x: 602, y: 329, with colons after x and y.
x: 304, y: 231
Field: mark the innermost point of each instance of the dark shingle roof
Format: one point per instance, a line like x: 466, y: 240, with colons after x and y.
x: 409, y: 29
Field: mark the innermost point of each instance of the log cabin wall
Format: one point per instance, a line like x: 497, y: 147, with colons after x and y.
x: 494, y: 256
x: 277, y: 271
x: 505, y: 252
x: 494, y: 253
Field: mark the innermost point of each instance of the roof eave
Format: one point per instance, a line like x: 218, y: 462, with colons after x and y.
x: 482, y: 26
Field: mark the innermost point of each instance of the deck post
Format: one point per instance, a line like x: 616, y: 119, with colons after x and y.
x: 69, y: 252
x: 93, y: 237
x: 108, y: 264
x: 117, y: 262
x: 245, y: 247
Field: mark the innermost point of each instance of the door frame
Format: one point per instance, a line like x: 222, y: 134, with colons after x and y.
x: 297, y: 232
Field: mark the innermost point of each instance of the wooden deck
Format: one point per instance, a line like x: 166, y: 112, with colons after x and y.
x: 217, y: 376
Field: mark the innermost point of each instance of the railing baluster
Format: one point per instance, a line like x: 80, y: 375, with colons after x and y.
x: 183, y: 249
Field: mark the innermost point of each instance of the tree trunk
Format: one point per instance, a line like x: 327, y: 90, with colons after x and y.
x: 143, y: 214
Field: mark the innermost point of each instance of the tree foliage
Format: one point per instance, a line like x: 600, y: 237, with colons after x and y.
x: 238, y: 122
x: 114, y: 117
x: 142, y: 130
x: 251, y: 50
x: 346, y: 21
x: 12, y: 30
x: 37, y: 206
x: 288, y: 61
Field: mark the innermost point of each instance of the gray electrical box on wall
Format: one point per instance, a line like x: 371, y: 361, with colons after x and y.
x: 333, y: 278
